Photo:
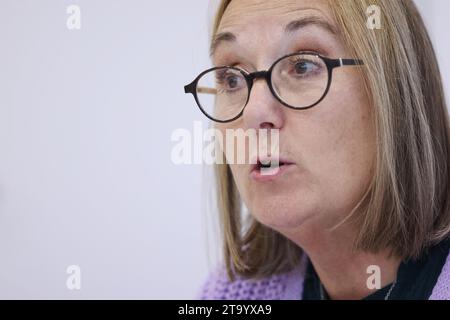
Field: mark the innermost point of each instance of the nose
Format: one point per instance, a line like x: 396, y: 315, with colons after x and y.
x: 263, y: 110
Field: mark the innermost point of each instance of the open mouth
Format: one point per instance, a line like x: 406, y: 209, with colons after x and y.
x: 269, y: 167
x: 268, y: 164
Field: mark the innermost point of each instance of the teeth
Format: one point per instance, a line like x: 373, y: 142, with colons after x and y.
x: 265, y: 165
x: 269, y: 171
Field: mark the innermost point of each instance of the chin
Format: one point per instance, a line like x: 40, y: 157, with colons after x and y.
x: 281, y: 214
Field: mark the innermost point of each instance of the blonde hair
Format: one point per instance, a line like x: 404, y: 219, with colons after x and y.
x: 406, y: 207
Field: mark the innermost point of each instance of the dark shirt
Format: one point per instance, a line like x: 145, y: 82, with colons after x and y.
x: 415, y: 278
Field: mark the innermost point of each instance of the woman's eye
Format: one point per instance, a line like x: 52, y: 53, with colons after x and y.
x: 232, y: 82
x: 229, y: 82
x: 303, y: 68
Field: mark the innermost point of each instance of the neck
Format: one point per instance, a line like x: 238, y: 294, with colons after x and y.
x: 344, y: 272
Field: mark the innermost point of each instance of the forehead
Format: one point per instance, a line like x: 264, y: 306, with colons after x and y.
x: 271, y: 28
x: 240, y: 13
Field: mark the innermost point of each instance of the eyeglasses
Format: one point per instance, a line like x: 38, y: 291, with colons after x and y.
x: 298, y: 81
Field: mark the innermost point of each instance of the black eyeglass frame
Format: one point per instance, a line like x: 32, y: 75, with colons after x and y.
x: 267, y: 75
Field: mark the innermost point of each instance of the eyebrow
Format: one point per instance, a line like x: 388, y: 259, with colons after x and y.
x: 290, y: 28
x: 298, y: 24
x: 219, y: 38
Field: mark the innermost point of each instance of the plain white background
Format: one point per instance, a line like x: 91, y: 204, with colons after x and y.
x: 86, y: 119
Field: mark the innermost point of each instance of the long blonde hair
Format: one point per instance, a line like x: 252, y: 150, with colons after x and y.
x: 406, y: 207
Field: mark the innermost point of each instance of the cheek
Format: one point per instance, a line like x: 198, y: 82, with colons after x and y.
x: 236, y: 143
x: 340, y: 145
x: 239, y: 171
x: 351, y: 154
x: 241, y: 180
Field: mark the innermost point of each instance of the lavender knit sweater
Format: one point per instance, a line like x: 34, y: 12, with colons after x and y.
x: 288, y: 286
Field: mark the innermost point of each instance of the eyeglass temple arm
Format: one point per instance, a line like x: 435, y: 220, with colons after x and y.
x: 350, y: 62
x: 206, y: 90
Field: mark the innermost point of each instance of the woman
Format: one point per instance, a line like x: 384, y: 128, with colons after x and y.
x: 360, y: 206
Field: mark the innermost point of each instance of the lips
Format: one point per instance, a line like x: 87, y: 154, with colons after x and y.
x: 266, y: 162
x: 268, y: 168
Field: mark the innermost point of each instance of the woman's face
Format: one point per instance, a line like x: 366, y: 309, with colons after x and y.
x: 331, y: 146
